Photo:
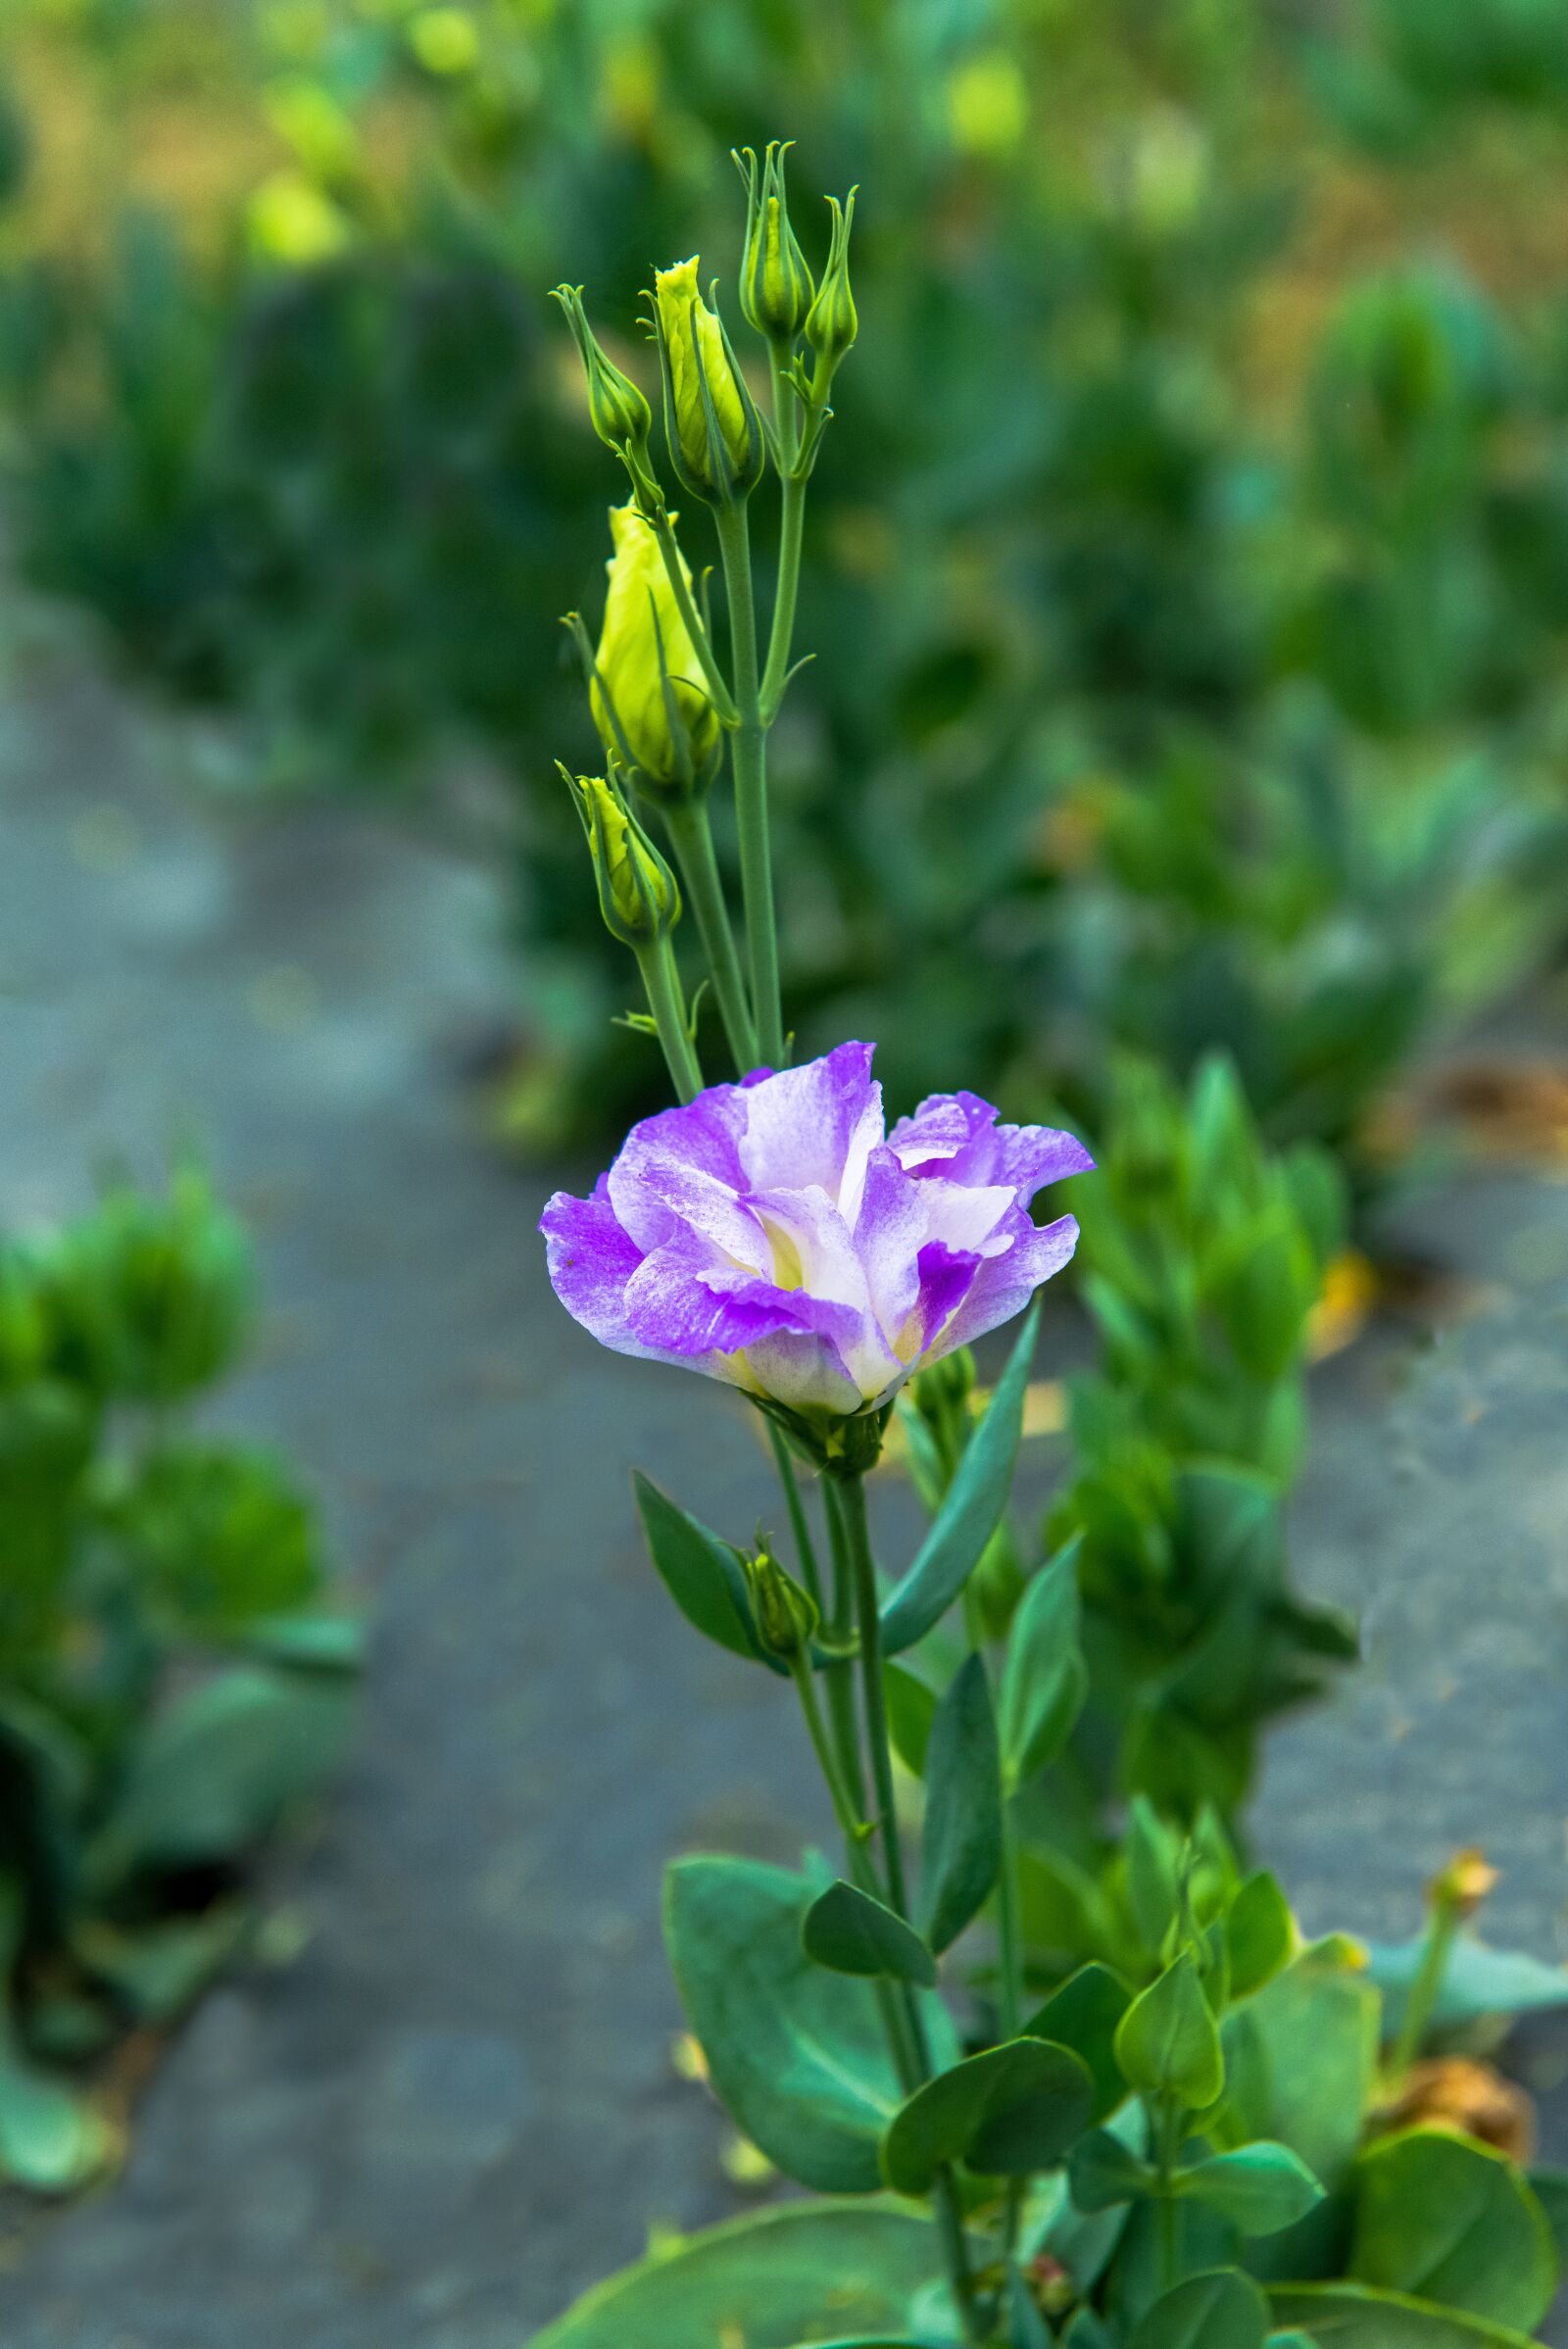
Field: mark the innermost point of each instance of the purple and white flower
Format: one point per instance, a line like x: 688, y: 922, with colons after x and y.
x: 773, y: 1234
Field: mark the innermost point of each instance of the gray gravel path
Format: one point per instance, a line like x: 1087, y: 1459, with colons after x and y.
x: 453, y: 2107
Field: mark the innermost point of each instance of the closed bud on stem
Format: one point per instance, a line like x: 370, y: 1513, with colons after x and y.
x: 832, y: 322
x: 776, y: 288
x: 1463, y: 1885
x: 714, y: 433
x: 637, y: 893
x: 621, y: 417
x: 783, y: 1614
x: 649, y: 701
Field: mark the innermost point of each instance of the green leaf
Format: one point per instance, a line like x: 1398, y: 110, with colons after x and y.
x: 1104, y: 2172
x: 1151, y: 1857
x: 850, y: 1932
x: 1045, y: 1678
x: 1167, y: 2043
x: 1258, y: 2189
x: 1014, y: 2109
x: 52, y: 2139
x: 1447, y: 2219
x: 701, y: 1573
x: 1551, y: 2190
x: 972, y: 1509
x: 214, y: 1773
x: 1351, y: 2316
x: 222, y: 1536
x: 961, y: 1847
x: 1290, y: 2340
x: 912, y: 1709
x: 1300, y: 2060
x: 795, y: 2054
x: 1259, y: 1934
x: 1086, y: 2331
x: 1224, y: 2310
x: 797, y: 2272
x: 1084, y: 2014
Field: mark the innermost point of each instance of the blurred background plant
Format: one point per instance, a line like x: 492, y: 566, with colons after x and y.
x: 1193, y: 559
x: 171, y: 1681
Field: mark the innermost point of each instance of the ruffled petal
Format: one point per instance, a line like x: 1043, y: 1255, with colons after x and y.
x: 591, y: 1263
x: 1004, y: 1284
x: 813, y: 1127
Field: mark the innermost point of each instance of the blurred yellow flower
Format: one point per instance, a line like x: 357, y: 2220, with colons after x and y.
x: 290, y: 220
x: 445, y: 40
x: 309, y: 119
x: 988, y: 104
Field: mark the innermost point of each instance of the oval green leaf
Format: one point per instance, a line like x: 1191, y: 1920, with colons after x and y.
x: 1258, y: 2189
x: 1084, y: 2014
x: 1221, y: 2311
x: 850, y: 1932
x: 1352, y: 2315
x: 1167, y: 2043
x: 795, y: 2054
x: 1011, y: 2111
x: 773, y: 2279
x: 701, y: 1573
x: 1450, y: 2220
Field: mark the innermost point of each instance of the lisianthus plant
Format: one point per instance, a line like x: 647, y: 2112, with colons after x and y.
x: 1207, y: 2133
x: 172, y: 1675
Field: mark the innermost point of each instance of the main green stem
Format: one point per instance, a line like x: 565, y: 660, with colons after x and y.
x: 692, y: 838
x: 1168, y: 2146
x: 860, y: 1865
x: 850, y: 1496
x: 662, y: 985
x: 748, y: 752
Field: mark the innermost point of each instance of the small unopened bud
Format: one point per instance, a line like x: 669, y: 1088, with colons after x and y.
x: 784, y: 1615
x: 1462, y: 1886
x: 637, y: 893
x: 648, y: 698
x: 715, y: 439
x: 621, y: 417
x: 832, y: 322
x: 776, y: 288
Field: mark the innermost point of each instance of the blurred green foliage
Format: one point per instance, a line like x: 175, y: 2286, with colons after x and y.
x: 1193, y: 542
x: 170, y: 1680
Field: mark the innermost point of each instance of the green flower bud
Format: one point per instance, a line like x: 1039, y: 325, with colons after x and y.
x: 637, y: 893
x: 776, y: 288
x: 621, y: 417
x: 784, y: 1615
x: 832, y: 322
x: 648, y: 698
x: 715, y: 440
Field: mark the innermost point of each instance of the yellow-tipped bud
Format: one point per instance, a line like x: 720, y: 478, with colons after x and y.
x: 648, y: 698
x: 637, y: 893
x: 716, y: 441
x: 776, y: 288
